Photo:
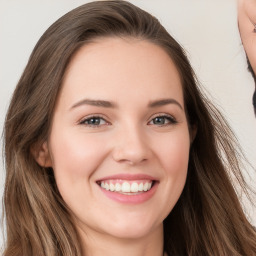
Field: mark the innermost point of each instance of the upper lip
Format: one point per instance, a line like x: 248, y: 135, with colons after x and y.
x: 128, y: 176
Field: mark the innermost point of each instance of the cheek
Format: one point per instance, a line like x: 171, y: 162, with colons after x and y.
x: 176, y: 168
x: 250, y: 49
x: 175, y: 154
x: 174, y: 157
x: 248, y: 36
x: 75, y: 157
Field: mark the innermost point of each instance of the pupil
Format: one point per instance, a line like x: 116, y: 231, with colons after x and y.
x: 94, y: 121
x: 159, y: 120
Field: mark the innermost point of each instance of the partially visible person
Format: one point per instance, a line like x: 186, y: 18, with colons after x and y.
x: 247, y: 28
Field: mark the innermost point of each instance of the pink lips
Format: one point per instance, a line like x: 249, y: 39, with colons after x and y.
x: 129, y: 198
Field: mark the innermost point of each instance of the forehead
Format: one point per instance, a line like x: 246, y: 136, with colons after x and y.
x: 105, y: 65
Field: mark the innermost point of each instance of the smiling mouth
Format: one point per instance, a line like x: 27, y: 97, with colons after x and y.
x: 127, y: 187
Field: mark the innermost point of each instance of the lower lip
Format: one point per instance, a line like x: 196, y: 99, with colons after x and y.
x: 131, y: 199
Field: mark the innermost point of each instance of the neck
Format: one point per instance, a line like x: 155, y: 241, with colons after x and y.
x: 98, y: 244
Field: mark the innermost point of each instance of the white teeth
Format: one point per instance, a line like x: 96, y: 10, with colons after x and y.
x: 145, y: 187
x: 134, y: 187
x: 118, y: 187
x: 111, y: 187
x: 126, y: 187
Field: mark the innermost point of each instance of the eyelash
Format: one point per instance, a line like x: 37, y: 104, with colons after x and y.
x: 87, y: 119
x: 170, y: 120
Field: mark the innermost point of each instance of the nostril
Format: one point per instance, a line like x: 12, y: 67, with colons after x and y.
x: 130, y: 157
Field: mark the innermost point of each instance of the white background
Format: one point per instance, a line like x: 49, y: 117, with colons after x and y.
x: 207, y: 29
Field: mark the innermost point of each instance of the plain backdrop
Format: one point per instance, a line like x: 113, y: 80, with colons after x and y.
x: 207, y: 29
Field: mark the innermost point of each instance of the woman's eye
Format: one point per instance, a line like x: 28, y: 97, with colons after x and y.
x: 163, y: 120
x: 94, y: 121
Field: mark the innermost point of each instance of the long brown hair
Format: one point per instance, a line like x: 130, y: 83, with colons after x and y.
x: 207, y: 219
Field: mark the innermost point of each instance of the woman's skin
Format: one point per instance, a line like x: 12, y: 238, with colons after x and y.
x: 247, y: 28
x: 119, y: 118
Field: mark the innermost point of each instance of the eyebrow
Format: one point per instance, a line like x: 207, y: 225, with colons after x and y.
x: 109, y: 104
x: 97, y: 103
x: 162, y: 102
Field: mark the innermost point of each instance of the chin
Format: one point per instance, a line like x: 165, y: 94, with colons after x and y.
x: 133, y: 230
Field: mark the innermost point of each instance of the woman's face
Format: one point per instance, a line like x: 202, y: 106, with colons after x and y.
x: 119, y: 141
x: 247, y: 27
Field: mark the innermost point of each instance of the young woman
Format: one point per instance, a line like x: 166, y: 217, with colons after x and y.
x: 111, y: 149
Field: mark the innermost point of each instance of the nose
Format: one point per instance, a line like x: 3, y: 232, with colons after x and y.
x: 131, y: 146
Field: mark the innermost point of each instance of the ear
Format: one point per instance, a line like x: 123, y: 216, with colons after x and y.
x: 41, y: 154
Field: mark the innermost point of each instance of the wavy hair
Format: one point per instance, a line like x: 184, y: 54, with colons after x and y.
x: 208, y: 218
